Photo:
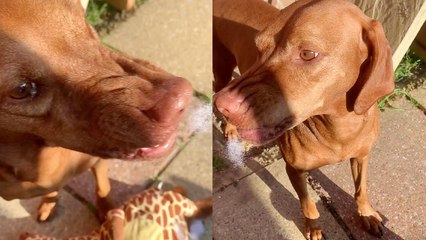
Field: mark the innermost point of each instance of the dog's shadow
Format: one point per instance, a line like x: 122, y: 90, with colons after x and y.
x: 122, y: 191
x: 282, y: 199
x: 288, y: 206
x: 346, y: 207
x: 19, y: 216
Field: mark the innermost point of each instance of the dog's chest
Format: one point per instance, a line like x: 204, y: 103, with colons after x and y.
x: 314, y: 143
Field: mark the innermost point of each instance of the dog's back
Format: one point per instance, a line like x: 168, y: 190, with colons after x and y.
x: 235, y: 25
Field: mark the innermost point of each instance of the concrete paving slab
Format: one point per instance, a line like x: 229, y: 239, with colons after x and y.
x: 420, y: 94
x: 126, y: 178
x: 175, y: 35
x: 396, y: 177
x: 264, y: 205
x: 192, y: 169
x: 72, y: 219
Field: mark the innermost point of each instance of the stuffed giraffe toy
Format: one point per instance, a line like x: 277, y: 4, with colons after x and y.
x: 152, y: 214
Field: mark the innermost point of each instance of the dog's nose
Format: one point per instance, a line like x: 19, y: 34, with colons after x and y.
x: 173, y: 103
x: 227, y: 103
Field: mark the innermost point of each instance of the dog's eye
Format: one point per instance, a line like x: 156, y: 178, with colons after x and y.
x: 308, y: 55
x: 24, y: 90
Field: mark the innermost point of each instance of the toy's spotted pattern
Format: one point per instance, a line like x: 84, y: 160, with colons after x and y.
x: 153, y: 213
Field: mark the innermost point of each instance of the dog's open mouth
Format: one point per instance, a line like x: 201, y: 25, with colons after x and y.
x: 265, y: 135
x: 147, y: 153
x: 260, y: 135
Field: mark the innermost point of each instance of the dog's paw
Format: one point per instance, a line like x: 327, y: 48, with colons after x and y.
x: 231, y: 132
x: 47, y: 207
x: 312, y: 229
x: 372, y: 222
x: 103, y: 205
x: 46, y: 211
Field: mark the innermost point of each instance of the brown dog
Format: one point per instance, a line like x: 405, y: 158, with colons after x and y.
x: 311, y: 76
x: 60, y: 89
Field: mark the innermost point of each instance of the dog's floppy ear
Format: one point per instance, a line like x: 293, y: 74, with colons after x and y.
x: 376, y: 77
x: 267, y: 39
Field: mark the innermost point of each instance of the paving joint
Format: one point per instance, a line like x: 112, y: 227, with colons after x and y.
x: 328, y: 204
x: 415, y: 103
x: 180, y: 149
x: 236, y: 181
x: 92, y: 208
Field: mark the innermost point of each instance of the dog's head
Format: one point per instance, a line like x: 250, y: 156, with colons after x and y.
x: 59, y: 85
x: 318, y: 57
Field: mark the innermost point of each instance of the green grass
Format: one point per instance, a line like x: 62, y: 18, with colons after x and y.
x: 103, y: 17
x: 218, y: 164
x: 96, y: 12
x: 408, y: 67
x: 398, y: 92
x: 139, y: 2
x: 406, y: 70
x: 203, y: 97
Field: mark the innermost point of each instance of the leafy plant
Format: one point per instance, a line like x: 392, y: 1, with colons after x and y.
x: 96, y: 11
x: 408, y: 66
x: 140, y: 2
x: 104, y: 17
x: 397, y: 92
x: 205, y: 98
x: 406, y: 70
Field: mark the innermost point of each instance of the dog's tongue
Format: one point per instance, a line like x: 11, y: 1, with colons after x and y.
x: 260, y: 135
x: 152, y: 152
x: 264, y: 135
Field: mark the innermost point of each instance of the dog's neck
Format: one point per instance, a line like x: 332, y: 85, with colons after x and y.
x: 339, y: 120
x: 15, y: 146
x: 14, y: 157
x: 340, y: 107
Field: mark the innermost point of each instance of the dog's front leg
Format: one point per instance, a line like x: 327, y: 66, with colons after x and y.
x: 298, y: 180
x: 47, y: 206
x: 371, y: 219
x: 103, y: 187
